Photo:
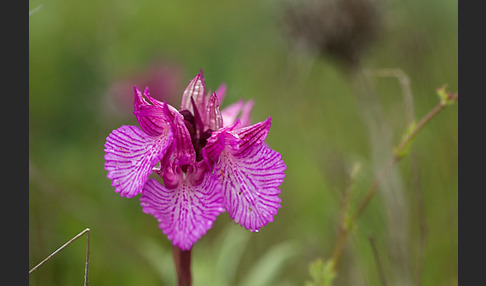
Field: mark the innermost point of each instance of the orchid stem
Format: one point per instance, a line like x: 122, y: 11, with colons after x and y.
x: 371, y: 192
x: 182, y: 261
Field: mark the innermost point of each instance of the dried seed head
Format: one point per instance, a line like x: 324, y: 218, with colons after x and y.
x: 341, y: 29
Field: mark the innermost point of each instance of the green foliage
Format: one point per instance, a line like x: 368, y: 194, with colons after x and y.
x: 266, y: 269
x: 322, y: 274
x: 446, y: 97
x: 219, y: 265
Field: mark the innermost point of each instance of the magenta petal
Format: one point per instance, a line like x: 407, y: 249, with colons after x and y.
x: 218, y: 141
x: 185, y: 213
x: 130, y: 156
x: 196, y: 90
x: 250, y: 181
x: 230, y: 113
x: 251, y: 173
x: 239, y: 109
x: 150, y: 124
x: 245, y: 113
x: 183, y: 149
x: 254, y: 134
x: 221, y: 93
x: 214, y: 119
x: 216, y: 144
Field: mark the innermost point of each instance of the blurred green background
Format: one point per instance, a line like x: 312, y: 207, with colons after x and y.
x: 85, y: 57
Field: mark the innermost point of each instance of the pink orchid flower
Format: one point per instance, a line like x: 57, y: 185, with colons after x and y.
x: 209, y: 161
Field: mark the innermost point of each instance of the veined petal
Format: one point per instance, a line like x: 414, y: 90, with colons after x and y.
x: 250, y: 176
x: 254, y: 134
x: 130, y: 156
x: 152, y: 125
x: 221, y: 92
x: 214, y: 119
x: 219, y: 140
x: 230, y: 113
x: 241, y: 109
x: 185, y: 213
x: 250, y: 182
x: 195, y: 89
x: 245, y: 113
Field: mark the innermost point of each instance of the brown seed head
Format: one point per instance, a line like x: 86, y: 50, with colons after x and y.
x: 341, y: 29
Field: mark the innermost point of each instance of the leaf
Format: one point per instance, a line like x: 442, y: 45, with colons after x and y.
x: 267, y: 267
x: 322, y: 274
x: 216, y: 264
x: 230, y: 251
x: 446, y: 97
x: 159, y: 259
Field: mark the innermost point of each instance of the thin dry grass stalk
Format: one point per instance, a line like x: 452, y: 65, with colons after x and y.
x: 404, y: 82
x: 86, y: 267
x: 379, y: 264
x: 397, y: 156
